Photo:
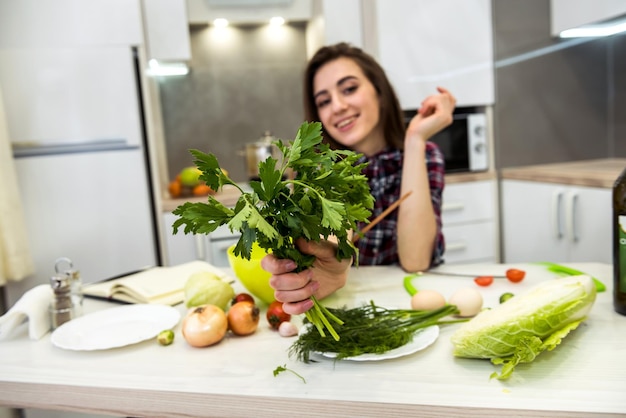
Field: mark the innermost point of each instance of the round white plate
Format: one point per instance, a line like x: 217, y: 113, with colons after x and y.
x: 422, y: 339
x: 115, y: 327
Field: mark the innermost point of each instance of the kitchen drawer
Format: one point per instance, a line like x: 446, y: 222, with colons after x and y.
x: 470, y: 243
x: 181, y: 248
x: 216, y: 252
x: 222, y: 232
x: 468, y: 202
x: 218, y: 242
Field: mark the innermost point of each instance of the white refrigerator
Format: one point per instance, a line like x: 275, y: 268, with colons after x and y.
x: 76, y: 122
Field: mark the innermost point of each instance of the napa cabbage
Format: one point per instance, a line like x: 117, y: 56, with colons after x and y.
x: 520, y: 329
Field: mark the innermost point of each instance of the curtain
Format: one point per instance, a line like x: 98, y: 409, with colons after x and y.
x: 15, y: 258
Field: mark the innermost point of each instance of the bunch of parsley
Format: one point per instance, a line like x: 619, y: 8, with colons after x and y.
x: 327, y: 197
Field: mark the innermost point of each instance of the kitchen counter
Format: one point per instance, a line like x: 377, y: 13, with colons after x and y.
x: 453, y: 178
x: 229, y: 194
x: 591, y: 173
x: 583, y: 377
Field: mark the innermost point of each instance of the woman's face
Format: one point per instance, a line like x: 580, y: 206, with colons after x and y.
x: 348, y: 106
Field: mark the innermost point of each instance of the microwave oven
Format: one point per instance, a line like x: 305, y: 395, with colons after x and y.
x: 464, y: 143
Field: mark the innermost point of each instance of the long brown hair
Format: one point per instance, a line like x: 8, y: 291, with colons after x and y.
x: 391, y: 116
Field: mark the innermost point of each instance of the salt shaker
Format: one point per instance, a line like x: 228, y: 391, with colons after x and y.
x: 62, y: 308
x: 75, y: 280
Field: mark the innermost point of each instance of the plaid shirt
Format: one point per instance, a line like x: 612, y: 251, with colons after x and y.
x: 380, y: 244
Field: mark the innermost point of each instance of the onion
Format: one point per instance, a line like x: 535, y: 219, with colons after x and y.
x: 243, y: 318
x: 204, y: 325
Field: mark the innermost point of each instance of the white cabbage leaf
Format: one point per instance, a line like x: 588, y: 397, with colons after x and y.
x: 523, y: 327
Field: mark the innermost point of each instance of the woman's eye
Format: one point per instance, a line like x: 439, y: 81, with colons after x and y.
x: 350, y: 90
x: 322, y: 103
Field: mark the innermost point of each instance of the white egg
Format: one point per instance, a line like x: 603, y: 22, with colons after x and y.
x: 468, y: 300
x: 427, y: 300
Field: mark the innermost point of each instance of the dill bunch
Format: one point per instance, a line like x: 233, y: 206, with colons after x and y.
x: 369, y: 329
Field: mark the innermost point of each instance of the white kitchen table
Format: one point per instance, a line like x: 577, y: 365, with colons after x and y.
x: 585, y: 376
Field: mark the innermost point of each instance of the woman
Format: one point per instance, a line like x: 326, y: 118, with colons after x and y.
x: 349, y: 93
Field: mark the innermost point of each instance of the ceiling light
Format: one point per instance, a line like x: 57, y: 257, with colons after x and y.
x: 596, y: 30
x: 277, y: 21
x: 220, y: 22
x: 166, y: 69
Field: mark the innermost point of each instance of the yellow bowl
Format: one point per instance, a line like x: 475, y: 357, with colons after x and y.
x: 251, y: 274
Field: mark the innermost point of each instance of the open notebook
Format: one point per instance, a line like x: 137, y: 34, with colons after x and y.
x: 161, y: 285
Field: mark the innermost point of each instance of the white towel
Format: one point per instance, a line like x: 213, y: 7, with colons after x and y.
x: 32, y: 306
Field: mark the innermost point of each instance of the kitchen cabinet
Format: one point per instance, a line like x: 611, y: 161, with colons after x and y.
x: 70, y: 23
x: 333, y: 22
x: 567, y: 14
x: 555, y: 222
x: 423, y: 44
x: 167, y: 30
x: 181, y: 248
x: 247, y: 12
x: 469, y: 216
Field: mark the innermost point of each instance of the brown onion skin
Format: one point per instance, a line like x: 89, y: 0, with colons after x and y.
x: 204, y: 325
x: 243, y: 318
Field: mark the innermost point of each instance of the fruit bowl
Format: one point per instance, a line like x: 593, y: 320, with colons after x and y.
x: 251, y: 274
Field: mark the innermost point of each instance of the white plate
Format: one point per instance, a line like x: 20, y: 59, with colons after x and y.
x: 422, y: 339
x: 115, y: 327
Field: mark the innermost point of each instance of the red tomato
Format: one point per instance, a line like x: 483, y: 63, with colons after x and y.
x: 484, y: 280
x: 276, y: 315
x: 242, y: 297
x: 515, y: 275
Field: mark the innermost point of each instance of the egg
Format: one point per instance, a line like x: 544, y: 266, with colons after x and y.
x: 468, y: 300
x: 427, y: 300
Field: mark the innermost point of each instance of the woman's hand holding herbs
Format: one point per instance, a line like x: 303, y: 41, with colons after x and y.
x: 295, y: 289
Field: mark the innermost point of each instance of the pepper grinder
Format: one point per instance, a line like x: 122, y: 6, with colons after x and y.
x: 75, y: 280
x: 62, y: 307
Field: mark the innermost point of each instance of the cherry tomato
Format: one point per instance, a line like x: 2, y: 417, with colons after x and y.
x: 242, y: 297
x: 276, y: 315
x: 484, y: 280
x: 515, y: 275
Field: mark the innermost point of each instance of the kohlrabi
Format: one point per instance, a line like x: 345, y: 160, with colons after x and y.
x: 207, y: 288
x: 520, y: 329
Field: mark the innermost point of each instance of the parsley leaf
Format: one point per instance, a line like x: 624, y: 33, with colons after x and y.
x: 327, y: 197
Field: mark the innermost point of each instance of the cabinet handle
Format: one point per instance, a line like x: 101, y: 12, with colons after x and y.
x: 448, y: 207
x: 557, y: 203
x: 456, y: 246
x: 571, y: 215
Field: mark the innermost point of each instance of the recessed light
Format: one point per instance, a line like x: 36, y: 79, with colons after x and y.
x: 220, y: 22
x: 277, y: 21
